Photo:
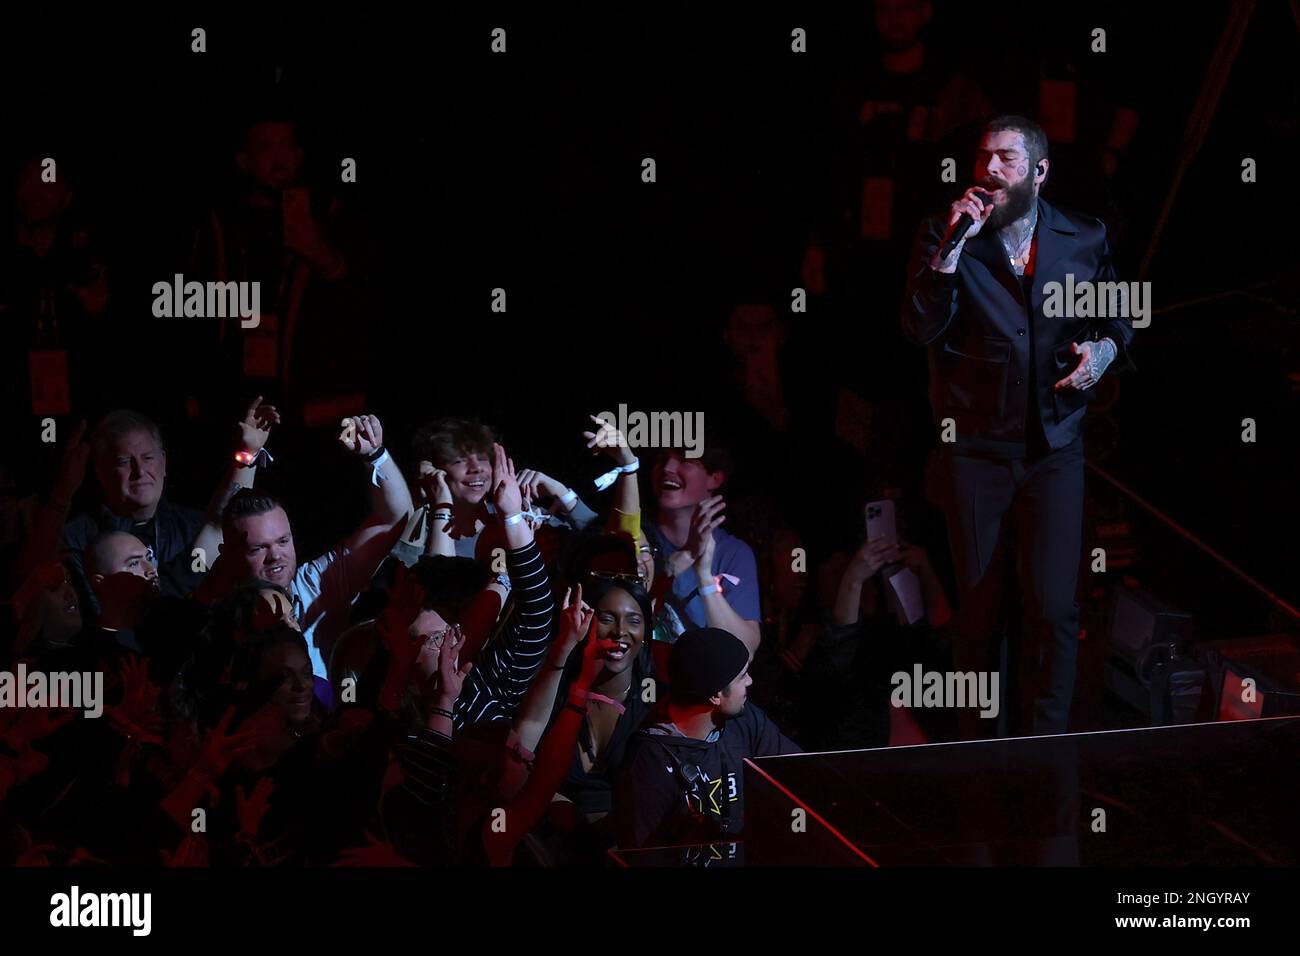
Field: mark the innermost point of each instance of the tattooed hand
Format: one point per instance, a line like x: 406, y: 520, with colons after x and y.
x: 1094, y: 357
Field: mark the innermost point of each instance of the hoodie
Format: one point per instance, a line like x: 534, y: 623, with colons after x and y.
x: 678, y: 789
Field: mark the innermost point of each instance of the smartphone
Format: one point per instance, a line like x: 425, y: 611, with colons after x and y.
x: 881, y: 522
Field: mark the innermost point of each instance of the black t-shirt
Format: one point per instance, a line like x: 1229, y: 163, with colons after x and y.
x: 655, y: 806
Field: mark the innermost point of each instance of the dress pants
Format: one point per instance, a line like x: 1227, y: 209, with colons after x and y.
x: 1015, y: 528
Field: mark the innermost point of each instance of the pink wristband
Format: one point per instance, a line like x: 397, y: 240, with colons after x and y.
x: 605, y: 700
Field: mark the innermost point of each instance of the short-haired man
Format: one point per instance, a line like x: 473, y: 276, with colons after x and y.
x: 258, y: 540
x: 685, y: 780
x: 124, y: 579
x: 130, y: 465
x: 714, y: 574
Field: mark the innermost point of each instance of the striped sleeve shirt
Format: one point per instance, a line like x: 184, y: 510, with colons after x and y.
x: 507, y: 665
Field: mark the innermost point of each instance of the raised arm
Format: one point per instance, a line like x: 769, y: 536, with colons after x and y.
x: 508, y: 665
x: 576, y: 620
x: 390, y: 499
x: 437, y: 539
x: 626, y: 516
x: 717, y: 609
x: 240, y: 472
x: 565, y: 503
x: 553, y: 759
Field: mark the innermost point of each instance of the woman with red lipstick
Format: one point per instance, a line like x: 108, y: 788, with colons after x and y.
x: 622, y: 693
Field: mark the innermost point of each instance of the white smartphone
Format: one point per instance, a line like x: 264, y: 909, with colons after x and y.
x: 880, y: 520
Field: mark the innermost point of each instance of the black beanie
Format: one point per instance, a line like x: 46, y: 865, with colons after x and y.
x: 703, y: 662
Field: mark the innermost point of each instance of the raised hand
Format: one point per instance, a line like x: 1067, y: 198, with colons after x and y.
x: 451, y: 672
x: 256, y: 426
x: 699, y: 543
x: 251, y: 809
x: 575, y: 619
x: 505, y: 483
x: 434, y: 490
x: 593, y: 660
x: 220, y: 747
x: 607, y: 439
x: 362, y: 435
x: 535, y: 485
x: 136, y: 716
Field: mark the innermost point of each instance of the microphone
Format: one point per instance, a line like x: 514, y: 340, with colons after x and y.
x: 963, y: 226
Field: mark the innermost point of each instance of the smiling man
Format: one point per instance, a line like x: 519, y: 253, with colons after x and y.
x: 460, y: 451
x: 684, y: 782
x: 1009, y: 387
x: 258, y: 541
x: 714, y: 574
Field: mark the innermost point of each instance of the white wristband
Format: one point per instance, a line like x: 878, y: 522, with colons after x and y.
x: 611, y: 476
x: 376, y: 478
x: 515, y: 518
x: 569, y: 499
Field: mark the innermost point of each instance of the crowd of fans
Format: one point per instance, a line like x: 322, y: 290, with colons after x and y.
x: 485, y: 671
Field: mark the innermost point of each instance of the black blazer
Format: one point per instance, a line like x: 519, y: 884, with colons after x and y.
x: 976, y: 324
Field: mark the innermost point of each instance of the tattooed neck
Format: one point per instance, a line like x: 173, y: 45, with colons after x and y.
x: 1022, y: 227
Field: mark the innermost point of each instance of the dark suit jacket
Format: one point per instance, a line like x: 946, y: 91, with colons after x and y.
x: 977, y: 326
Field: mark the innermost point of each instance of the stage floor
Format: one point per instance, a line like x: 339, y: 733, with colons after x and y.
x: 1218, y: 794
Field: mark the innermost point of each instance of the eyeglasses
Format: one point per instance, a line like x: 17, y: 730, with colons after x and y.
x: 629, y: 577
x: 437, y: 637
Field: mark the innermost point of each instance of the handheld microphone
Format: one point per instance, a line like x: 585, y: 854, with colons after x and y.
x: 963, y: 226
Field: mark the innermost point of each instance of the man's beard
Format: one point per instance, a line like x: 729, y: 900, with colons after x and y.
x: 1020, y: 199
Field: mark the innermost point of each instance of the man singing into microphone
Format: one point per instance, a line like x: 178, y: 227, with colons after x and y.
x: 1009, y: 388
